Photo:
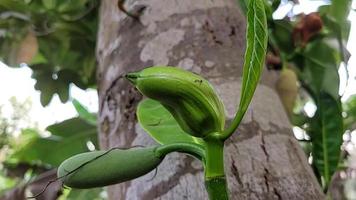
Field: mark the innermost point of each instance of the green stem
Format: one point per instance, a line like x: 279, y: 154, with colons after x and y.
x: 215, y: 181
x: 190, y: 148
x: 233, y: 126
x: 217, y: 188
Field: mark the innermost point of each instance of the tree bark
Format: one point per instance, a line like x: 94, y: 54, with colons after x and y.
x: 263, y: 160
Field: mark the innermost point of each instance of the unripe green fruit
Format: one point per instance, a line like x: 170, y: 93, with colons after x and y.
x: 101, y: 168
x: 287, y: 89
x: 188, y: 97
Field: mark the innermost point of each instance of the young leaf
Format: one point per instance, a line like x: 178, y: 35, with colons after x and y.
x: 326, y: 134
x: 254, y: 58
x: 84, y: 113
x: 161, y: 125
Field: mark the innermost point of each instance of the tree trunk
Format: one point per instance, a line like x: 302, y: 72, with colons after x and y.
x: 263, y: 160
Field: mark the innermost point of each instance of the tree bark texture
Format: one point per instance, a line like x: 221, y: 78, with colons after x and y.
x: 263, y: 160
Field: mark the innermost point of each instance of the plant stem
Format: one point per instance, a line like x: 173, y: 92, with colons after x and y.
x: 217, y: 188
x: 215, y: 181
x: 190, y: 148
x: 233, y: 126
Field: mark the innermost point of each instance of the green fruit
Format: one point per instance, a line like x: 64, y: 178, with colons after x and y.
x: 101, y: 168
x: 188, y: 97
x: 287, y: 89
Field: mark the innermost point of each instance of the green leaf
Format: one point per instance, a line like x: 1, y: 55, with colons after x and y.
x: 84, y: 113
x: 161, y: 125
x: 340, y: 9
x: 338, y: 29
x: 321, y: 68
x: 326, y: 132
x: 299, y: 119
x: 50, y: 82
x: 270, y: 6
x: 255, y: 53
x: 337, y: 12
x: 281, y: 36
x: 254, y: 58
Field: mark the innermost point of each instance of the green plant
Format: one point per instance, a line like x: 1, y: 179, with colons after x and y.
x: 173, y: 117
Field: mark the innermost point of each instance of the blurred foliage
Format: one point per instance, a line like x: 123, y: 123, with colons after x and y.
x: 55, y: 38
x: 350, y: 113
x: 13, y: 118
x: 30, y: 154
x: 67, y: 139
x: 314, y: 47
x: 18, y: 117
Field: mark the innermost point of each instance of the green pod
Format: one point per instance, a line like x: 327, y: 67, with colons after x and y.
x: 101, y: 168
x: 190, y: 98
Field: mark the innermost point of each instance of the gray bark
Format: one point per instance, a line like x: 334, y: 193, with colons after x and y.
x: 263, y: 160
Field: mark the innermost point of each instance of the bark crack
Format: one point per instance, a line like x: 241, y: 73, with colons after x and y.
x: 275, y: 191
x: 235, y: 171
x: 266, y: 172
x: 265, y: 176
x: 263, y: 147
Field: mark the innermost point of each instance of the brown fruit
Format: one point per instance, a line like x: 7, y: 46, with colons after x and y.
x: 28, y: 49
x: 313, y: 22
x: 308, y: 26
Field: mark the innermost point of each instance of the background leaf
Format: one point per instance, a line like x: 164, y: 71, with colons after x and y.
x: 68, y: 138
x: 321, y: 68
x: 349, y: 108
x: 326, y: 132
x: 280, y: 35
x: 161, y: 125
